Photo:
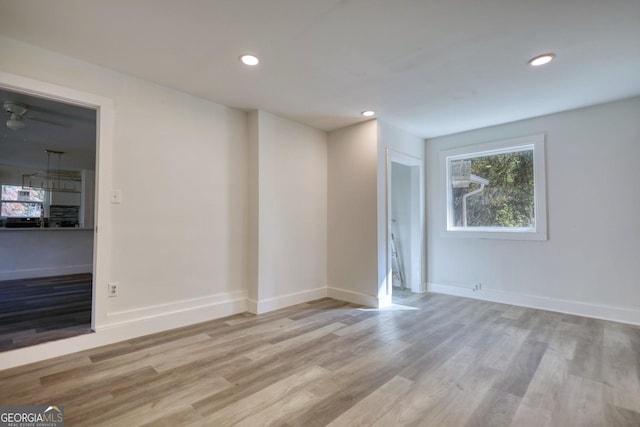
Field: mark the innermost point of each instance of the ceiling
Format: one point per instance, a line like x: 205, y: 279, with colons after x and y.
x: 49, y: 125
x: 432, y: 67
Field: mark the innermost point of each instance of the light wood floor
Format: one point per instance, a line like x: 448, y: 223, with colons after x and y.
x: 450, y: 362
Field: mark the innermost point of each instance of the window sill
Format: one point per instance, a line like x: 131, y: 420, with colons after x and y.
x: 496, y: 234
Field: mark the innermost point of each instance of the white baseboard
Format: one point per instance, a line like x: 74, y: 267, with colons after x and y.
x: 218, y: 305
x: 131, y: 324
x: 270, y: 304
x: 252, y: 306
x: 597, y: 311
x: 353, y: 297
x: 128, y: 324
x: 45, y: 272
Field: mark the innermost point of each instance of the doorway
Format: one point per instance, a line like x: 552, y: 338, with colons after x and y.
x: 405, y: 231
x: 47, y: 219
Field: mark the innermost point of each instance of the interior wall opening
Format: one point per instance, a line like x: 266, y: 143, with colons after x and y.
x: 47, y: 219
x: 405, y: 235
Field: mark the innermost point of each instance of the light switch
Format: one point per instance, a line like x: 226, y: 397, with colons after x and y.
x: 116, y: 197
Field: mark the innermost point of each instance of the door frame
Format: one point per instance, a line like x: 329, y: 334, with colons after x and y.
x: 416, y: 273
x: 104, y: 154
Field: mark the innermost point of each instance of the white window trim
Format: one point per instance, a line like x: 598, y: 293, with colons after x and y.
x: 539, y: 232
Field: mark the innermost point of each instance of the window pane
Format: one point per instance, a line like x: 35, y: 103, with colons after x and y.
x: 493, y: 190
x: 20, y: 210
x: 20, y: 193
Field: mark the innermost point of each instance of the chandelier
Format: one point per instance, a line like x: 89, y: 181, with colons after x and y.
x: 53, y: 179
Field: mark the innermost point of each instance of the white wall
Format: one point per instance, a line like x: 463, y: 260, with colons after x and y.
x: 179, y: 237
x: 181, y: 165
x: 352, y: 213
x: 393, y: 138
x: 292, y: 211
x: 589, y: 264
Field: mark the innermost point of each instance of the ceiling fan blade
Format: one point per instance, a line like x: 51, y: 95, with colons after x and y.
x: 51, y: 122
x: 85, y: 116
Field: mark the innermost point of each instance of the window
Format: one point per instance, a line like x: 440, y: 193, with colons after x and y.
x: 21, y: 202
x: 497, y: 190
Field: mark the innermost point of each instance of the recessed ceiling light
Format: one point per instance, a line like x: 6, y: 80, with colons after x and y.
x: 249, y: 60
x: 368, y: 113
x: 541, y: 59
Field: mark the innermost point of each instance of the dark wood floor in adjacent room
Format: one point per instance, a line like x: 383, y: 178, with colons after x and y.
x: 449, y: 362
x: 33, y: 311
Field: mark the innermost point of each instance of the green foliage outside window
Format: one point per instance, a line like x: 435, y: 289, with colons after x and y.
x: 509, y: 198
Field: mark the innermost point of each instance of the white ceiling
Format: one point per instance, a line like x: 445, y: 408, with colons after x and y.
x: 432, y: 67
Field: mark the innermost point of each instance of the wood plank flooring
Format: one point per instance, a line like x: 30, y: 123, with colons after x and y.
x: 33, y: 311
x: 440, y: 361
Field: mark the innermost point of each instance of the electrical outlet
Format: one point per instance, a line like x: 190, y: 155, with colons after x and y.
x: 113, y: 289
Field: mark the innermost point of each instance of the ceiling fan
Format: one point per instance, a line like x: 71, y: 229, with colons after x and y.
x: 18, y: 114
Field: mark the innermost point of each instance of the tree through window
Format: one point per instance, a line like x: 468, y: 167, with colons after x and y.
x: 497, y: 187
x: 21, y: 202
